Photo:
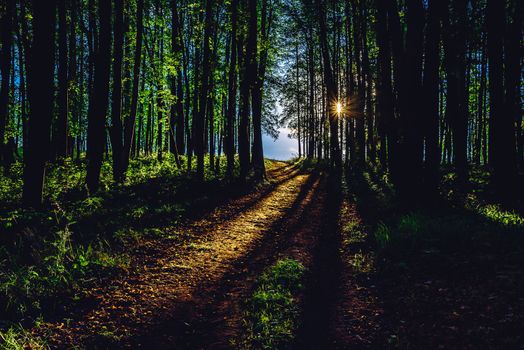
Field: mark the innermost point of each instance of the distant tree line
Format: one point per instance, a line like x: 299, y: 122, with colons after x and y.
x: 407, y: 85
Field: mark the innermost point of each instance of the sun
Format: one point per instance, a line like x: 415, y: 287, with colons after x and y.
x: 339, y: 108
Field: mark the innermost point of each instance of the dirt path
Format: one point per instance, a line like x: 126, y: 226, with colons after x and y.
x: 188, y: 293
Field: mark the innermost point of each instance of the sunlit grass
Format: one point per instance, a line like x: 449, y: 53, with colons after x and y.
x: 500, y: 216
x: 17, y: 338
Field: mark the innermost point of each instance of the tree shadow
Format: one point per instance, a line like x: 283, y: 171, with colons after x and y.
x: 324, y: 282
x: 449, y: 277
x: 199, y: 322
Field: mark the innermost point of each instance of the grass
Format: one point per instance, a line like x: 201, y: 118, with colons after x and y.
x: 16, y: 338
x: 272, y: 314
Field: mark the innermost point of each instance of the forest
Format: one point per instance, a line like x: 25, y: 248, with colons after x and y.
x: 138, y: 208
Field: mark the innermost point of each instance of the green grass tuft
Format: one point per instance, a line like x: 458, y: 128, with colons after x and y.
x: 273, y: 311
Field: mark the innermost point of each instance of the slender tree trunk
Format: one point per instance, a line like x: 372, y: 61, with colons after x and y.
x: 332, y: 90
x: 385, y: 89
x: 513, y: 78
x: 229, y: 139
x: 247, y: 79
x: 457, y: 110
x: 431, y: 95
x: 40, y: 73
x: 129, y: 124
x: 177, y: 111
x: 257, y: 93
x: 198, y: 141
x: 116, y: 130
x: 366, y: 75
x: 98, y: 109
x: 5, y: 69
x: 60, y: 136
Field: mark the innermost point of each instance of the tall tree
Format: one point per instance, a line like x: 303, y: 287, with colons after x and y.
x: 229, y: 139
x: 257, y: 93
x: 248, y: 76
x: 331, y: 87
x: 204, y: 91
x: 129, y: 124
x: 41, y: 96
x: 455, y: 62
x: 431, y: 85
x: 116, y: 128
x: 96, y: 135
x: 60, y: 135
x: 177, y: 111
x: 385, y: 89
x: 6, y: 26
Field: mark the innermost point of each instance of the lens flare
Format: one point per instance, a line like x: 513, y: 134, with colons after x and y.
x: 339, y: 108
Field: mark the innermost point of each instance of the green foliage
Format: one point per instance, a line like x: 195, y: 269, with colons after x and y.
x: 17, y: 338
x: 43, y: 261
x: 382, y: 235
x: 410, y: 225
x: 497, y: 215
x: 407, y: 231
x: 57, y: 268
x: 273, y: 310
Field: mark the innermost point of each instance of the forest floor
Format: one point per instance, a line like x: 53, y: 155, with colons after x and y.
x: 378, y: 274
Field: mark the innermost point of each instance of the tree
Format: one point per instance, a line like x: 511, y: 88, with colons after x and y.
x: 204, y: 92
x: 177, y: 111
x: 60, y: 136
x: 98, y: 108
x: 385, y: 89
x: 229, y: 139
x: 431, y: 84
x: 6, y: 26
x: 129, y: 124
x: 457, y: 111
x: 257, y: 93
x: 40, y: 74
x: 116, y: 128
x: 332, y: 90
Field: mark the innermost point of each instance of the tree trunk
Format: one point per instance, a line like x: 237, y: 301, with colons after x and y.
x: 457, y: 110
x: 385, y: 89
x: 129, y: 124
x: 98, y: 109
x: 60, y: 137
x: 40, y: 73
x: 198, y: 141
x: 431, y: 95
x: 332, y: 91
x: 257, y: 94
x: 229, y: 138
x: 512, y: 109
x: 248, y: 77
x: 116, y: 129
x: 5, y: 69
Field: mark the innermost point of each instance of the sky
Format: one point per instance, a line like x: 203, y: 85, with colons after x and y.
x: 283, y: 148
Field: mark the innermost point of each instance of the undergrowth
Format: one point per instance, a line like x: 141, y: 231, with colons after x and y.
x: 50, y: 256
x: 272, y: 312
